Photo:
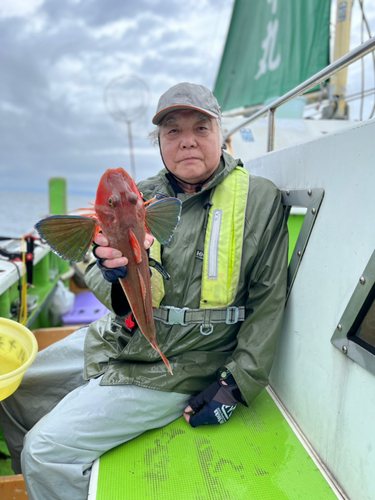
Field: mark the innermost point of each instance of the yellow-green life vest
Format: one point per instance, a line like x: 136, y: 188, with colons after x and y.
x: 223, y: 248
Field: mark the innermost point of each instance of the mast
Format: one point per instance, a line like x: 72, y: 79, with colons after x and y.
x: 341, y: 47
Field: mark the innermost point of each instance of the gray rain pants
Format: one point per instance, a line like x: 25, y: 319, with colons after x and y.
x: 59, y: 424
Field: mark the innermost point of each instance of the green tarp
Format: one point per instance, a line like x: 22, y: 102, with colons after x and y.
x: 272, y: 47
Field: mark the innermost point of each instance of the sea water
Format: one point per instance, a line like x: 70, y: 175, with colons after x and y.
x: 21, y: 210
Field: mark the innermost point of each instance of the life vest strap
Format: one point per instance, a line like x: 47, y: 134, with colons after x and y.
x: 171, y: 315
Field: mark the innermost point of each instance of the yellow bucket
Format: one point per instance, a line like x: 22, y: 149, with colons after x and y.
x: 18, y: 349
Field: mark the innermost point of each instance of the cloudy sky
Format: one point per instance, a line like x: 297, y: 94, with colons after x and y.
x: 58, y: 57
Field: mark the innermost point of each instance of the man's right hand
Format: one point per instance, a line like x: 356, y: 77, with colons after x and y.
x: 111, y: 257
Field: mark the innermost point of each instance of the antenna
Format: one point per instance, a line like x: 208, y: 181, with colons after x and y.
x: 126, y: 98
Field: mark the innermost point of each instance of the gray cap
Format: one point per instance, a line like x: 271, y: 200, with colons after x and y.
x: 187, y: 95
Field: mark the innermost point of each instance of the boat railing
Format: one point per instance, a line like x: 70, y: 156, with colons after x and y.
x: 349, y: 58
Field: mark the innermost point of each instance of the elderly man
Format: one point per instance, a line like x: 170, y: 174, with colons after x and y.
x: 217, y: 317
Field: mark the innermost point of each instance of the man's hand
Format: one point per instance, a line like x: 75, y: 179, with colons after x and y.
x: 110, y: 261
x: 213, y: 406
x: 111, y: 257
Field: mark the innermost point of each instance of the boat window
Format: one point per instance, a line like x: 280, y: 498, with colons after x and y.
x: 302, y: 207
x: 364, y: 335
x: 355, y: 331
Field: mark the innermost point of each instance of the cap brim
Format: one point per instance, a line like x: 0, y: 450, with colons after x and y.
x: 159, y: 116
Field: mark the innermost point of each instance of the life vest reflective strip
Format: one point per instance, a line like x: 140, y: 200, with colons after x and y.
x: 157, y: 285
x: 222, y: 250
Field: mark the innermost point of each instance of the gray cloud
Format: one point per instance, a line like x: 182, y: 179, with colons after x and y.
x: 56, y: 61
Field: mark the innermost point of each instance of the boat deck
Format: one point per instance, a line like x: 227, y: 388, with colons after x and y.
x: 255, y: 456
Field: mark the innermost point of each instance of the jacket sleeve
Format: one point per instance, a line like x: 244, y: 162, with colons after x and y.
x: 252, y: 360
x: 111, y: 295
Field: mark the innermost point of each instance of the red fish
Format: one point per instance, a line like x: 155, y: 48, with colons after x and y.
x: 123, y: 218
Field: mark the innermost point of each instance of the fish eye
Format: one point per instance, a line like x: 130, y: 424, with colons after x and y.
x: 110, y: 201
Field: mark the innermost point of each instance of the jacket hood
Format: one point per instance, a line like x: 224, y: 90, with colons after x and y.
x: 227, y: 165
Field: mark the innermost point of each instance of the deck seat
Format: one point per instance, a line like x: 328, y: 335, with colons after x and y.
x: 256, y: 456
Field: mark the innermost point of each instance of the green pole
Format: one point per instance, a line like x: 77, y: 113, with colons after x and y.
x: 57, y: 196
x: 58, y: 206
x: 5, y: 305
x: 41, y: 272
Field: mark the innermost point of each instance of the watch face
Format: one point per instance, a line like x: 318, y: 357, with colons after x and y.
x: 227, y: 377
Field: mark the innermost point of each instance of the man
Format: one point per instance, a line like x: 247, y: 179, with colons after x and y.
x: 217, y: 318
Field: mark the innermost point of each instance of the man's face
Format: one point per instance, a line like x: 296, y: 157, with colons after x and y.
x: 190, y: 144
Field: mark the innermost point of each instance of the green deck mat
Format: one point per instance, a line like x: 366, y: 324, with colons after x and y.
x: 254, y: 456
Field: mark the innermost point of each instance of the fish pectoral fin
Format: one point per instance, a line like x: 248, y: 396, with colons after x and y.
x: 134, y: 243
x: 69, y: 236
x: 162, y: 218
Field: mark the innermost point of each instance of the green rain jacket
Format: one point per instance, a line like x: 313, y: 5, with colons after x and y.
x: 247, y: 348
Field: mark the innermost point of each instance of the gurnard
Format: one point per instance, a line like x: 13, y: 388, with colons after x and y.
x: 122, y: 216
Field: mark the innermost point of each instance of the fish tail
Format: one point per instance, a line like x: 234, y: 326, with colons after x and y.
x: 166, y: 362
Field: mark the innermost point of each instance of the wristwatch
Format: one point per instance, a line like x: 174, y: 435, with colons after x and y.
x: 224, y: 375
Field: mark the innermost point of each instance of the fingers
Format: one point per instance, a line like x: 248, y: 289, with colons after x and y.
x: 202, y: 417
x: 111, y: 263
x: 113, y: 257
x: 188, y: 410
x: 198, y: 401
x: 149, y: 240
x: 101, y: 240
x: 206, y: 416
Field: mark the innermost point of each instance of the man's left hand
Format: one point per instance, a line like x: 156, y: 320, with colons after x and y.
x: 212, y: 406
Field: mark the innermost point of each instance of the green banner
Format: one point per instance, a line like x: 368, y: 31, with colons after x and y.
x: 272, y: 46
